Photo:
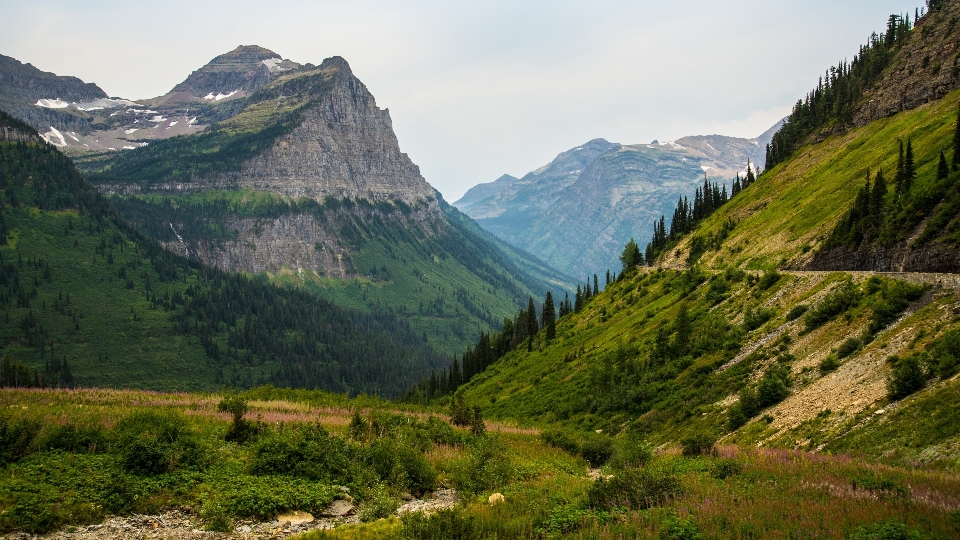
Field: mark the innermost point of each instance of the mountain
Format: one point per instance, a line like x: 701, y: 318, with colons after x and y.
x: 90, y: 301
x: 812, y: 311
x: 305, y: 183
x: 578, y: 211
x: 82, y: 121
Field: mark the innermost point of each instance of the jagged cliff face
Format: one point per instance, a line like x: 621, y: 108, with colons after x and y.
x: 578, y: 211
x: 345, y: 147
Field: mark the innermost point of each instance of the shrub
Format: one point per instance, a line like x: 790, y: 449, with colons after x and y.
x: 634, y: 489
x: 596, y: 449
x: 945, y: 354
x: 16, y: 438
x: 768, y: 280
x: 675, y: 528
x: 401, y: 466
x: 887, y: 530
x: 561, y: 439
x: 725, y: 468
x: 72, y: 438
x: 881, y: 486
x: 630, y: 451
x: 486, y: 466
x: 796, y: 312
x: 378, y: 504
x: 152, y: 442
x: 264, y: 497
x: 848, y: 347
x: 698, y: 444
x: 755, y: 319
x: 906, y: 377
x: 845, y: 297
x: 441, y: 525
x: 240, y: 430
x: 307, y: 451
x: 828, y: 364
x: 774, y: 387
x: 460, y: 413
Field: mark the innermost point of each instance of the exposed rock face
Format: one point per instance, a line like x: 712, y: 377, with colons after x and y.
x: 927, y: 69
x: 295, y: 241
x: 344, y: 148
x: 935, y: 257
x: 578, y: 211
x: 27, y: 84
x: 247, y: 68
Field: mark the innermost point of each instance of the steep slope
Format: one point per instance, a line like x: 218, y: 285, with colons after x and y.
x: 90, y: 301
x: 578, y: 211
x: 307, y: 184
x: 726, y: 345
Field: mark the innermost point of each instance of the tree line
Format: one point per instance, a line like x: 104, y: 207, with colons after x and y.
x: 839, y: 90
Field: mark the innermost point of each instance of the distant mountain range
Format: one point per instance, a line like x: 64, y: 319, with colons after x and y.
x: 579, y: 210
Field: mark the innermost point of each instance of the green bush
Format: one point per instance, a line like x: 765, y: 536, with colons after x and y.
x: 16, y: 438
x: 596, y: 448
x: 264, y: 497
x: 73, y: 438
x: 307, y: 451
x: 768, y: 280
x: 441, y: 525
x: 839, y: 301
x: 945, y: 354
x: 848, y: 347
x: 675, y: 528
x: 634, y: 489
x: 754, y: 319
x: 401, y: 466
x: 887, y: 530
x: 377, y: 504
x: 561, y: 439
x: 796, y: 312
x: 699, y: 444
x: 631, y: 451
x: 151, y: 442
x: 881, y: 486
x: 725, y: 468
x: 485, y: 466
x: 828, y: 364
x: 906, y: 377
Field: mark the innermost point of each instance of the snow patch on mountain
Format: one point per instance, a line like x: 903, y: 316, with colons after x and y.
x: 52, y: 103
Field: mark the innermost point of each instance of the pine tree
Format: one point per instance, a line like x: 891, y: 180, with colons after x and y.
x: 549, y: 316
x: 943, y: 170
x: 956, y: 144
x: 909, y: 171
x: 631, y: 256
x: 898, y: 180
x: 596, y: 285
x: 531, y: 323
x: 877, y: 197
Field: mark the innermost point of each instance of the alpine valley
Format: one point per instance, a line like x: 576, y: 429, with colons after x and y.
x: 782, y: 361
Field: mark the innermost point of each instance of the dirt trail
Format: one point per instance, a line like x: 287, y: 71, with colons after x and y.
x: 946, y: 281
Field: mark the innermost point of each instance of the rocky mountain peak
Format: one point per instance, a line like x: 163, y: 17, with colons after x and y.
x: 246, y: 68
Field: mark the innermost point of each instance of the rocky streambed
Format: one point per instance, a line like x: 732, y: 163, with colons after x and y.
x: 181, y: 523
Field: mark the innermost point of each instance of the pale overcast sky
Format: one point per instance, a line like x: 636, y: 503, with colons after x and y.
x: 478, y: 89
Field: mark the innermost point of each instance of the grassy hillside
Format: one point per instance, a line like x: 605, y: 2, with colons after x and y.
x: 792, y: 209
x: 89, y: 301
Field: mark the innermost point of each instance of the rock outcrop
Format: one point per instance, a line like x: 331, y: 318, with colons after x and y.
x: 927, y: 69
x: 247, y: 68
